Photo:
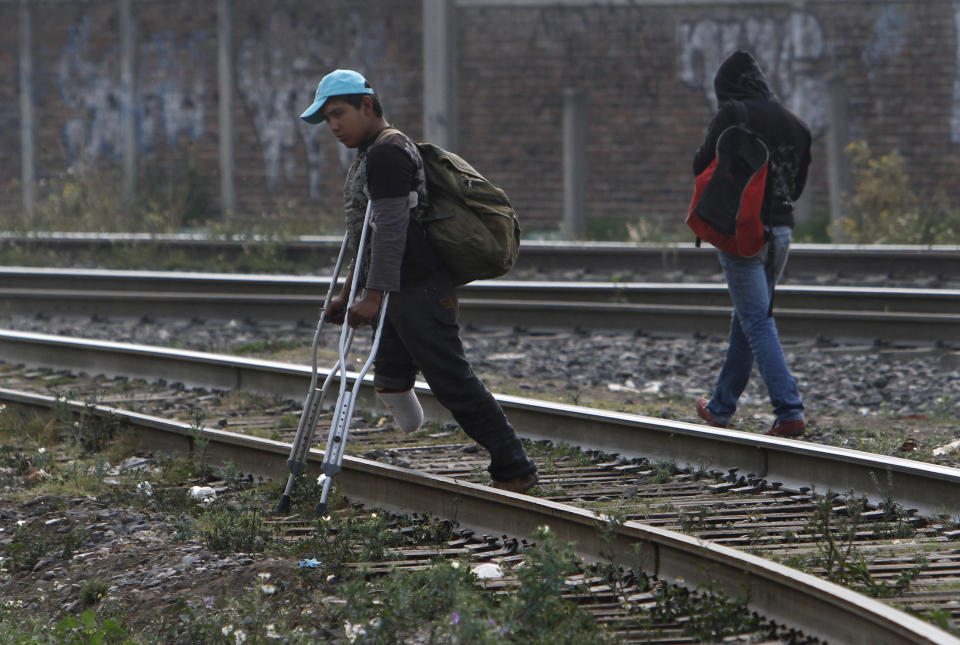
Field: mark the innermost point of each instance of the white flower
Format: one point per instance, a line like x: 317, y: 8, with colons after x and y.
x: 226, y: 629
x: 42, y: 450
x: 21, y: 522
x: 240, y: 636
x: 264, y: 575
x: 455, y: 564
x: 354, y: 632
x: 268, y: 589
x: 272, y: 632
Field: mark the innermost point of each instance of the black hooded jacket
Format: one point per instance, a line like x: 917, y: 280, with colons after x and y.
x: 740, y: 80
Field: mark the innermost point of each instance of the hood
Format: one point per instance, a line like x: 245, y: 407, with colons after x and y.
x: 740, y: 77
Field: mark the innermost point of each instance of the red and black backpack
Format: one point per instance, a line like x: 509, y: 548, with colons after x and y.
x: 728, y: 197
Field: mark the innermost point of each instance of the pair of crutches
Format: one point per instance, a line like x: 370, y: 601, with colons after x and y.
x: 347, y: 397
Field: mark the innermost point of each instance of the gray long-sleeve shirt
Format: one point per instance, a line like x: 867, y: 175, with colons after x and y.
x: 388, y: 172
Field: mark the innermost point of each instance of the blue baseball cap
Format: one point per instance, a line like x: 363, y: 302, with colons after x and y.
x: 336, y: 83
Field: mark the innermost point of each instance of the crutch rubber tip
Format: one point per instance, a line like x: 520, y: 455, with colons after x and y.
x: 321, y: 508
x: 284, y: 505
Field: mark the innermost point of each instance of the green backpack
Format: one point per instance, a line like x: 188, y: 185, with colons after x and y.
x: 469, y: 221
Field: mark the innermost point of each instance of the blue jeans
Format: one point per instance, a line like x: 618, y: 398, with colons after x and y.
x: 753, y: 333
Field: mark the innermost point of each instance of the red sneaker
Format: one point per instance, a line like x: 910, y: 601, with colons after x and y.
x: 704, y: 413
x: 788, y: 429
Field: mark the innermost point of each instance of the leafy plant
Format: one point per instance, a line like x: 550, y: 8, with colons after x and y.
x: 885, y: 210
x: 88, y: 630
x: 227, y: 530
x: 93, y: 591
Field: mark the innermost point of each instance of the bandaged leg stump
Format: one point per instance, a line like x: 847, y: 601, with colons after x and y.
x: 404, y: 407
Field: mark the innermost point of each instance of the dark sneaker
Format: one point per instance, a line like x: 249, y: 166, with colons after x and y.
x: 788, y: 429
x: 517, y: 484
x: 704, y: 413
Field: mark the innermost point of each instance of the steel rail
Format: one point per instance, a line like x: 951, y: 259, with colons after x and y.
x: 21, y: 281
x: 820, y: 608
x: 599, y: 257
x: 921, y: 315
x: 930, y: 488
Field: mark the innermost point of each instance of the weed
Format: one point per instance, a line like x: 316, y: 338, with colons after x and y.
x: 199, y: 445
x: 15, y: 462
x: 228, y: 530
x: 696, y: 519
x: 93, y: 591
x: 712, y: 615
x: 88, y: 629
x: 24, y: 550
x: 943, y: 619
x: 944, y: 408
x: 839, y: 557
x: 445, y: 603
x: 662, y: 471
x: 174, y: 469
x: 608, y: 526
x: 895, y: 522
x: 349, y: 537
x: 288, y: 421
x: 835, y: 547
x: 233, y: 477
x: 30, y: 545
x: 883, y: 208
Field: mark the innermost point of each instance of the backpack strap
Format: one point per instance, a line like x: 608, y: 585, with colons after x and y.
x: 768, y: 233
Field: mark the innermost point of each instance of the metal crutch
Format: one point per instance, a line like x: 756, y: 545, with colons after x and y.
x: 346, y: 401
x: 313, y: 405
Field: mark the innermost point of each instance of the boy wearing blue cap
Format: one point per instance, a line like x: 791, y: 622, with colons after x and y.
x: 421, y: 330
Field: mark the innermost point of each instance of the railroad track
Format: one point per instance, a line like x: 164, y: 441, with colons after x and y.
x: 902, y: 314
x: 755, y: 507
x: 599, y: 258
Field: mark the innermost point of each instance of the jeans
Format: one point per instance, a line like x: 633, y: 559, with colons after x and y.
x: 422, y: 332
x: 753, y: 333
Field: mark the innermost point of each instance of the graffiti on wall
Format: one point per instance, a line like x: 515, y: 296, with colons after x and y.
x: 889, y: 39
x: 788, y: 50
x: 169, y: 94
x: 277, y: 77
x: 170, y: 102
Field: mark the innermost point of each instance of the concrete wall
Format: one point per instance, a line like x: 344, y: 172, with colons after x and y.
x: 645, y: 68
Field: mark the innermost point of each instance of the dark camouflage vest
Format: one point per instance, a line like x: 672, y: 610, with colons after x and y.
x: 356, y: 194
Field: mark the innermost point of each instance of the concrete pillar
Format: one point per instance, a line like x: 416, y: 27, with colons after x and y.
x: 574, y: 164
x: 128, y: 124
x: 440, y: 113
x: 27, y: 178
x: 839, y: 178
x: 225, y: 78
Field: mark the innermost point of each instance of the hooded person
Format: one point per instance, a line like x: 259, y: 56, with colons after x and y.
x: 744, y: 98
